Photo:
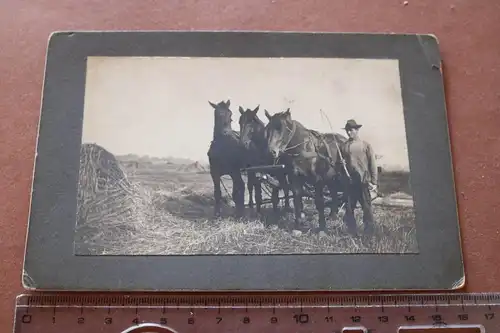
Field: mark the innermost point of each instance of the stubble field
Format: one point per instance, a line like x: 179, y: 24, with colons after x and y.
x: 165, y: 207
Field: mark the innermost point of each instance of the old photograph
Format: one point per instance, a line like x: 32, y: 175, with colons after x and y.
x: 243, y: 156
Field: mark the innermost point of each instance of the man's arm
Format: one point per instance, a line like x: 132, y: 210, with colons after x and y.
x: 372, y: 164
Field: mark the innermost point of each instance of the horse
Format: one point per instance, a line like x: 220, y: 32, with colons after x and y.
x: 226, y: 156
x: 252, y: 136
x: 310, y: 158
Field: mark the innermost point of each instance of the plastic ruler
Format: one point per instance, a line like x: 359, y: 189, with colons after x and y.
x: 255, y: 313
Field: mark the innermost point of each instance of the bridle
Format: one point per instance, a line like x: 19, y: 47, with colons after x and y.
x: 286, y: 149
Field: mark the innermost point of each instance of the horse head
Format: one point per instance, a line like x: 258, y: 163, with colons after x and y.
x: 222, y: 114
x: 279, y: 132
x: 250, y: 126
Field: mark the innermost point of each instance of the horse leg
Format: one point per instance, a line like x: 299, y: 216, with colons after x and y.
x: 296, y: 186
x: 334, y: 206
x: 250, y: 185
x: 217, y: 193
x: 286, y: 191
x: 319, y: 201
x: 258, y: 195
x: 238, y: 193
x: 275, y: 199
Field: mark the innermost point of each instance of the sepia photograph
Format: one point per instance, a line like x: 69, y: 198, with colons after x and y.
x: 192, y: 156
x: 209, y: 160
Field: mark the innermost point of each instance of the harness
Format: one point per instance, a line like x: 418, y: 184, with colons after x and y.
x: 316, y: 152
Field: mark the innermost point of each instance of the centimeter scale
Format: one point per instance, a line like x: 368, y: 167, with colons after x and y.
x: 405, y: 313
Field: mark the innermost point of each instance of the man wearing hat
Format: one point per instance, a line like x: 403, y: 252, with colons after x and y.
x: 360, y: 162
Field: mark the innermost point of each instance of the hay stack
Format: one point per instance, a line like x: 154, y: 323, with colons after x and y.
x: 106, y: 198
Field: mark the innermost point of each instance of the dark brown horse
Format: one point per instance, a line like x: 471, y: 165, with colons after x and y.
x: 310, y: 157
x: 252, y: 135
x: 226, y: 156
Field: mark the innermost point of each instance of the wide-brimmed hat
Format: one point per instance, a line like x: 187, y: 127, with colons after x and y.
x: 351, y: 123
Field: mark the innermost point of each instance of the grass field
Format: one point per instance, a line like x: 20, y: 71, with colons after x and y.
x: 166, y: 207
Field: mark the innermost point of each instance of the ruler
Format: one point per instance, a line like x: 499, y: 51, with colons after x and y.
x: 189, y: 313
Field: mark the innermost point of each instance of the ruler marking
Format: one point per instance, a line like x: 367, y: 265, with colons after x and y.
x: 393, y: 306
x: 488, y: 299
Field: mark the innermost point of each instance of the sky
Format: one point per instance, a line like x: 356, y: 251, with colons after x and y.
x: 159, y: 106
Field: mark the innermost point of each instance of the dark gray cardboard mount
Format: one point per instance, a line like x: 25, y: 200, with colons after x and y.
x: 49, y: 261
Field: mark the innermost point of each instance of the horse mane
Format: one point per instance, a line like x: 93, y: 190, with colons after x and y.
x: 227, y: 134
x: 259, y: 121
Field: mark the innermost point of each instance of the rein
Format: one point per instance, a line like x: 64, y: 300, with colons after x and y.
x: 291, y: 135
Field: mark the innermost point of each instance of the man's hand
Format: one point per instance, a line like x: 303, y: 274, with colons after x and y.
x: 372, y: 188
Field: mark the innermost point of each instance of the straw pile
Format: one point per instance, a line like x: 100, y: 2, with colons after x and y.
x: 107, y: 201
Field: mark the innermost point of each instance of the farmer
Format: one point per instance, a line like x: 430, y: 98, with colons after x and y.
x: 360, y: 162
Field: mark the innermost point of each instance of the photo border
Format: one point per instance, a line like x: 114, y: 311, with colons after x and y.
x: 50, y: 263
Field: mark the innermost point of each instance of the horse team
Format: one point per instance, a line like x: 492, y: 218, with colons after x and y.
x: 309, y: 158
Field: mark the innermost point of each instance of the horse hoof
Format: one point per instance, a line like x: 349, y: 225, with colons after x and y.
x: 297, y: 233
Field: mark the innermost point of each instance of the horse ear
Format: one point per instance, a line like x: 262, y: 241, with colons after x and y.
x: 241, y: 110
x: 228, y: 103
x: 212, y: 104
x: 267, y: 114
x: 256, y: 109
x: 287, y: 113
